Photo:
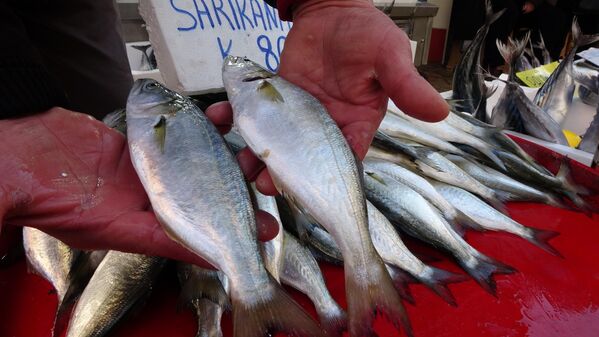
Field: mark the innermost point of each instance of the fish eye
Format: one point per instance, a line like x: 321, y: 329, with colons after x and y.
x: 151, y: 86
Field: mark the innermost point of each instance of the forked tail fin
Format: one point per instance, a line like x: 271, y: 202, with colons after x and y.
x: 370, y: 291
x: 439, y: 279
x: 401, y: 280
x: 491, y: 17
x: 540, y: 238
x: 483, y: 269
x: 277, y: 313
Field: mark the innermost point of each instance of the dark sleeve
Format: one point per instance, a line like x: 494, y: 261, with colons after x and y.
x: 26, y: 87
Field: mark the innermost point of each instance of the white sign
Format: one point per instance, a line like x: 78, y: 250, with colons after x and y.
x: 192, y: 37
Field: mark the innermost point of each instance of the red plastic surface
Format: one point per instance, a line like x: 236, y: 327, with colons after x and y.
x: 547, y: 297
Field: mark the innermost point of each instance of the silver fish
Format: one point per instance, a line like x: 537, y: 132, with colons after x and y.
x: 497, y: 180
x: 506, y: 114
x: 423, y: 187
x: 448, y: 133
x: 394, y: 252
x: 590, y: 139
x: 203, y: 291
x: 290, y: 131
x: 272, y: 250
x: 199, y: 195
x: 414, y: 215
x: 468, y: 81
x: 301, y: 272
x: 396, y: 127
x: 490, y: 219
x: 120, y: 281
x: 555, y: 96
x: 53, y: 260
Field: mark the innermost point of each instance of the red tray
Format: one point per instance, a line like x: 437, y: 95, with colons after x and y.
x: 547, y: 297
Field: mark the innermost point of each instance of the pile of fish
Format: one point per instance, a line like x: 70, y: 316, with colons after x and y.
x: 431, y: 181
x: 541, y: 117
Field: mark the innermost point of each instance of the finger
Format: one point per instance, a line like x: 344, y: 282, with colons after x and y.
x: 250, y: 165
x: 359, y: 135
x: 221, y: 115
x: 266, y: 226
x: 402, y: 83
x: 264, y: 183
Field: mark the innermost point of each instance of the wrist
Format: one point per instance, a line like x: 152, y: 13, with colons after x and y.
x: 297, y: 8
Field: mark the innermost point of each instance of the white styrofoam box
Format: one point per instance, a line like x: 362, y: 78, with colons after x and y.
x: 192, y: 37
x: 413, y: 45
x: 577, y: 120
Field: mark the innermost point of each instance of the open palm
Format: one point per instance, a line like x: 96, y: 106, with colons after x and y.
x: 353, y: 58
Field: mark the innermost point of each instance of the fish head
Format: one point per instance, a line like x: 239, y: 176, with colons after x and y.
x: 241, y: 73
x: 149, y: 98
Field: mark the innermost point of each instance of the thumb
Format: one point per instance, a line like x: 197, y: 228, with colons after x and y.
x: 402, y: 83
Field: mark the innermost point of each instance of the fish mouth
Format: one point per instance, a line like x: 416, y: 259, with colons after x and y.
x: 236, y: 61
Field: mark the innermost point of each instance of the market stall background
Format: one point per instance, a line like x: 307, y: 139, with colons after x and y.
x: 548, y: 296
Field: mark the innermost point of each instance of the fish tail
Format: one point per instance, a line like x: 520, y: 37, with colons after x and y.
x: 579, y: 38
x: 401, y: 279
x: 564, y: 176
x: 582, y: 205
x: 369, y: 294
x: 438, y: 280
x: 488, y: 152
x: 490, y: 16
x: 275, y: 313
x: 483, y: 270
x: 513, y: 49
x: 333, y: 320
x: 540, y: 238
x: 497, y: 202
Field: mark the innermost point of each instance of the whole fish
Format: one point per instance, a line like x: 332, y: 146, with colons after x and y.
x: 492, y: 220
x: 544, y: 51
x: 203, y: 291
x: 497, y: 180
x: 468, y: 81
x: 396, y: 127
x: 272, y: 250
x: 289, y: 130
x: 506, y: 114
x: 53, y: 260
x: 394, y: 252
x: 555, y: 96
x: 414, y: 215
x: 199, y: 195
x: 301, y: 272
x: 423, y: 187
x: 121, y: 280
x: 450, y: 134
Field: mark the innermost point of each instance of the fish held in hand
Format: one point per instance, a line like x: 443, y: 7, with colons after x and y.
x: 199, y: 195
x: 290, y: 131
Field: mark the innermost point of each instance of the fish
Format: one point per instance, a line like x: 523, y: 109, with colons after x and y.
x: 484, y: 131
x: 394, y: 126
x: 590, y: 139
x: 434, y: 165
x: 555, y: 96
x: 497, y: 180
x: 529, y: 51
x: 301, y: 272
x: 424, y: 188
x: 588, y: 78
x: 587, y: 96
x: 53, y: 260
x: 408, y: 210
x: 121, y: 281
x: 506, y: 114
x: 544, y: 51
x: 290, y: 130
x: 201, y: 199
x: 272, y: 250
x: 450, y: 134
x: 492, y: 220
x: 522, y: 63
x: 148, y: 58
x: 468, y: 81
x: 206, y: 293
x: 394, y: 252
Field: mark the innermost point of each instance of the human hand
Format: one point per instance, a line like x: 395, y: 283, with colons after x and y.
x: 528, y: 7
x: 70, y: 176
x: 351, y: 57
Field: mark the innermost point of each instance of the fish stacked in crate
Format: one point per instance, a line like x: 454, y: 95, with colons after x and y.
x: 431, y: 181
